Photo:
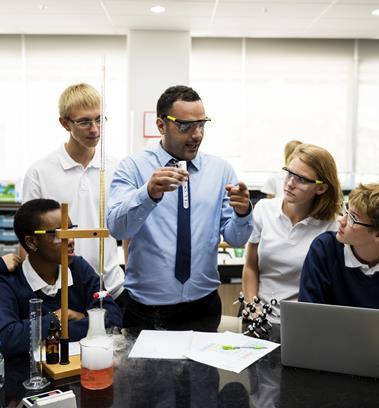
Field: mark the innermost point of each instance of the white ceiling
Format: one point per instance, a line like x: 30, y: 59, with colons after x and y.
x: 220, y: 18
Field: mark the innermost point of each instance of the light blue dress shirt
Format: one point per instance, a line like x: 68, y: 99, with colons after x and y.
x: 150, y: 275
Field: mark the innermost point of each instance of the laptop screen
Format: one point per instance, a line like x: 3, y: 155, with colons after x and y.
x: 332, y: 338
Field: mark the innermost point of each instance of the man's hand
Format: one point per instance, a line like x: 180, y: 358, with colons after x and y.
x: 165, y: 179
x: 71, y: 314
x: 239, y: 198
x: 11, y: 261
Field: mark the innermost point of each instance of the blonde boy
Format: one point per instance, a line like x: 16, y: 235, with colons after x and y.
x: 342, y: 268
x: 70, y: 175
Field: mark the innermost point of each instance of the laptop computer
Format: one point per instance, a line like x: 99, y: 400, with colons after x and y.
x: 332, y: 338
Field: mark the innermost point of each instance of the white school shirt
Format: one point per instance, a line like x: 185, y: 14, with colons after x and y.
x: 60, y: 178
x: 37, y: 283
x: 351, y: 261
x: 282, y: 249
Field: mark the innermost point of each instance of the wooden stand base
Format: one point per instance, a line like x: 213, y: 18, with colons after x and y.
x: 58, y: 371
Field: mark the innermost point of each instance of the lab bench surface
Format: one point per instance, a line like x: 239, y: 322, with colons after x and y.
x: 145, y: 383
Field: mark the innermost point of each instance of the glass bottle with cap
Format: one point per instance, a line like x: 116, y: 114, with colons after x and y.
x: 52, y: 344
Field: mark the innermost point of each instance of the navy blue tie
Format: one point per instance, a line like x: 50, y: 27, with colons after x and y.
x: 183, y: 238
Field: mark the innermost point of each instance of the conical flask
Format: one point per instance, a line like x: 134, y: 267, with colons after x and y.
x: 96, y: 353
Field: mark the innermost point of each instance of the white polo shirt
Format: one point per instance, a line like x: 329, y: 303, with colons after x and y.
x: 351, y: 261
x: 282, y: 249
x: 37, y: 283
x: 60, y: 178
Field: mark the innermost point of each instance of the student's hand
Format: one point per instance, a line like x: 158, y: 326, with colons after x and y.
x: 71, y: 315
x: 239, y: 198
x: 165, y: 179
x: 11, y: 261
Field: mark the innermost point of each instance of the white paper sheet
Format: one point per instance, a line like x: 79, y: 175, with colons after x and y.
x: 161, y: 344
x: 207, y: 348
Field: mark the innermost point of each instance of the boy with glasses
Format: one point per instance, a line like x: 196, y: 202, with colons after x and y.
x: 39, y: 276
x: 342, y: 268
x: 71, y: 175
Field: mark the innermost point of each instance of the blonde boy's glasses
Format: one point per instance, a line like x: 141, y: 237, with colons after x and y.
x: 86, y: 124
x: 351, y: 220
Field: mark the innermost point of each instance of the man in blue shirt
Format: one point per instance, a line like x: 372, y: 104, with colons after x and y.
x: 343, y: 268
x: 39, y: 276
x: 143, y: 207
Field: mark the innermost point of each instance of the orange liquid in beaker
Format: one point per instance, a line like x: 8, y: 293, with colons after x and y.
x: 96, y: 379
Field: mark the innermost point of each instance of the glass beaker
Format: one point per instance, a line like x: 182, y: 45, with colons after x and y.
x: 96, y: 354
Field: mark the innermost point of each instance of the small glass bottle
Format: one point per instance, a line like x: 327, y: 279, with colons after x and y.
x: 52, y: 345
x: 2, y: 372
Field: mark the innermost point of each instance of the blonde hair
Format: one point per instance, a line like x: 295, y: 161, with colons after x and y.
x: 327, y: 205
x: 289, y: 149
x: 365, y: 199
x: 82, y: 96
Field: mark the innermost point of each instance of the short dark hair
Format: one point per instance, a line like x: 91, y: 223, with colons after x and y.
x: 28, y: 217
x: 173, y: 94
